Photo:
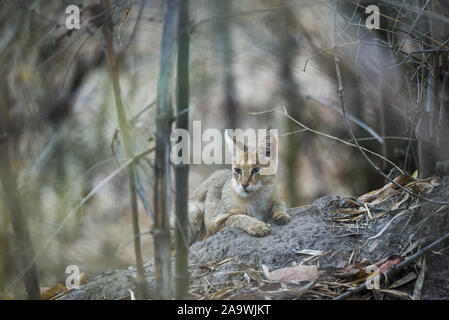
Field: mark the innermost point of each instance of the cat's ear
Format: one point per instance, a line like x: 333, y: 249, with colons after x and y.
x: 268, y: 151
x: 268, y: 145
x: 230, y: 140
x: 232, y: 143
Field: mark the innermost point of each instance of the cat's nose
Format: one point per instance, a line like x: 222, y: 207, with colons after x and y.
x: 245, y: 185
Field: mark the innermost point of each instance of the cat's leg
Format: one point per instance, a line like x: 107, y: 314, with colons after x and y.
x: 279, y: 210
x: 252, y: 226
x: 281, y: 217
x: 221, y: 212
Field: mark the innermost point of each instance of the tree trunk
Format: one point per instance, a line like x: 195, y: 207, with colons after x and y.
x: 230, y: 105
x: 427, y: 130
x: 291, y: 93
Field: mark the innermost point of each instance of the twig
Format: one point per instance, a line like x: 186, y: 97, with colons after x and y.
x: 143, y: 197
x: 134, y: 119
x: 413, y: 26
x: 125, y: 16
x: 292, y: 132
x: 387, y: 225
x: 434, y: 50
x: 340, y: 46
x: 402, y: 23
x: 358, y: 122
x: 136, y: 25
x: 385, y: 138
x: 388, y: 274
x: 327, y: 135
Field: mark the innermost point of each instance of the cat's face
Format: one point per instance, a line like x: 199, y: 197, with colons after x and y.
x: 247, y: 176
x: 248, y: 173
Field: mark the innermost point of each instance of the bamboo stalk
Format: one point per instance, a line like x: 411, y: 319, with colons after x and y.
x: 12, y: 197
x: 3, y: 246
x: 164, y: 117
x: 182, y: 171
x: 121, y: 114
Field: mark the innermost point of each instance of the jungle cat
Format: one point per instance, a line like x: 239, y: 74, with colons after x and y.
x: 242, y: 197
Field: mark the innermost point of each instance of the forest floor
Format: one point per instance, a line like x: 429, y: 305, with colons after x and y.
x: 322, y: 253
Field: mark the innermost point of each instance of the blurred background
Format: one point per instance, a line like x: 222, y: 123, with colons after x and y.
x: 249, y: 56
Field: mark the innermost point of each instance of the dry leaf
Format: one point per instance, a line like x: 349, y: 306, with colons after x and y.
x: 82, y: 279
x: 266, y: 272
x: 373, y: 246
x: 221, y: 293
x: 272, y: 286
x: 435, y: 182
x: 412, y: 247
x: 400, y: 201
x: 420, y: 281
x: 49, y: 293
x: 311, y: 252
x: 358, y: 274
x: 370, y: 196
x: 406, y: 279
x: 396, y: 293
x: 299, y: 273
x: 423, y: 187
x: 392, y: 261
x: 350, y: 273
x: 388, y: 224
x: 384, y: 196
x: 252, y: 273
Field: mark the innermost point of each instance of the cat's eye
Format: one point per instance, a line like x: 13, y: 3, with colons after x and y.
x: 238, y: 170
x: 255, y: 170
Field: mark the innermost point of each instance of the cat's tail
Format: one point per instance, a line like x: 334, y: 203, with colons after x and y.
x: 196, y: 227
x: 196, y: 221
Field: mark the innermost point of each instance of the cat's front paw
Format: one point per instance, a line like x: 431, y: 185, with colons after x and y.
x: 258, y: 229
x: 281, y: 218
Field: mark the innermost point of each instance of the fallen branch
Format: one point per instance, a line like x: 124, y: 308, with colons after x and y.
x: 358, y: 122
x: 394, y: 269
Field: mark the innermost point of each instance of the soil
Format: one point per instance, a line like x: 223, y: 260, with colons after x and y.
x: 229, y: 264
